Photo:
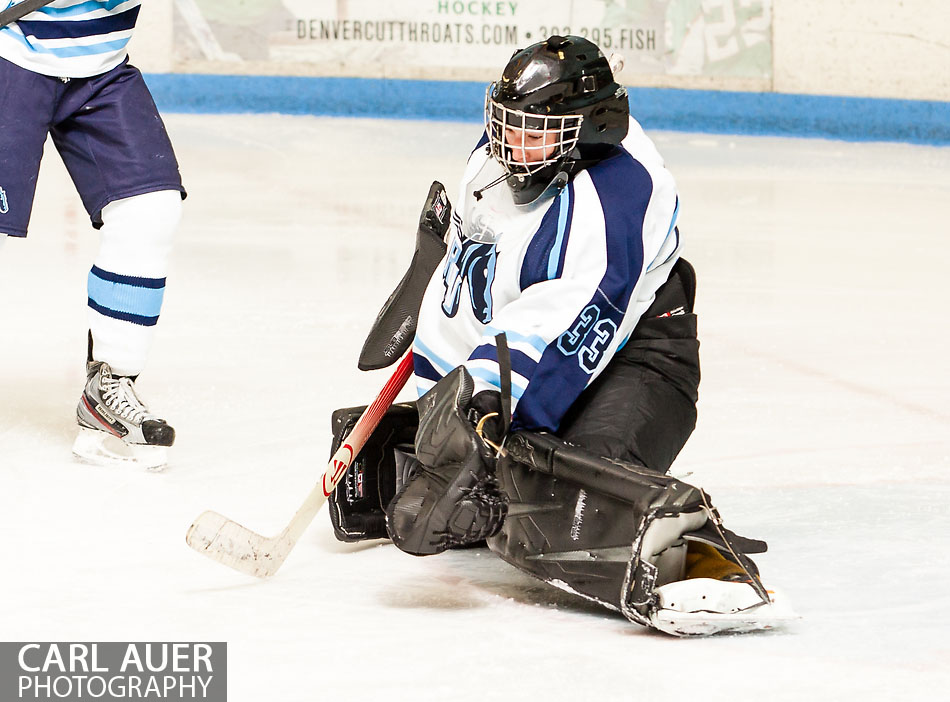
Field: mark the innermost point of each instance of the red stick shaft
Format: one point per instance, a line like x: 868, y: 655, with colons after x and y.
x: 365, y: 426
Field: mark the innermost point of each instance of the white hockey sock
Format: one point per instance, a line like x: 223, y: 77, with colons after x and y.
x: 127, y: 282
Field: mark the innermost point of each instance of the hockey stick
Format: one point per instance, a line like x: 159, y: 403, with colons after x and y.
x: 20, y: 10
x: 233, y: 545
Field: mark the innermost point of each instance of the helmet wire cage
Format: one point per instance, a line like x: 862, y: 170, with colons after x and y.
x: 526, y: 142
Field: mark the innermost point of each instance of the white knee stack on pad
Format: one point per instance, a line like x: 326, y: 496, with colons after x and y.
x: 127, y: 281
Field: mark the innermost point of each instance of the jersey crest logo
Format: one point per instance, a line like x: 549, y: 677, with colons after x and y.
x: 4, y: 204
x: 472, y: 262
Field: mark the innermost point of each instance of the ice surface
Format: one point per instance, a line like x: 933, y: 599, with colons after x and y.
x: 824, y: 427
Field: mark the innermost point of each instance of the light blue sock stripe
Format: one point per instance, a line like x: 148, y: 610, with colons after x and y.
x: 121, y: 297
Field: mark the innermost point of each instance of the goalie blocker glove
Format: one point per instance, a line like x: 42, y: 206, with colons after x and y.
x: 386, y: 463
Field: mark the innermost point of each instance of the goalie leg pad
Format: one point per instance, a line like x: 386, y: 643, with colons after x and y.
x: 358, y: 505
x: 609, y: 531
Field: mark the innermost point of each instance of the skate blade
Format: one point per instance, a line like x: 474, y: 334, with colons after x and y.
x: 102, y: 449
x: 704, y: 607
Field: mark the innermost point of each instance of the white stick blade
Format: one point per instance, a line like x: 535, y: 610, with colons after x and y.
x: 227, y: 542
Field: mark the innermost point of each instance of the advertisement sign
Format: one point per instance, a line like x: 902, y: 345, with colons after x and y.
x: 468, y: 38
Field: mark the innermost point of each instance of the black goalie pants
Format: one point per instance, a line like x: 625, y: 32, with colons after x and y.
x: 642, y: 408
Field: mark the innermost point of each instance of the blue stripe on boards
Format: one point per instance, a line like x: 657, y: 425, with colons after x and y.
x: 121, y: 22
x: 710, y: 111
x: 343, y: 97
x: 115, y: 295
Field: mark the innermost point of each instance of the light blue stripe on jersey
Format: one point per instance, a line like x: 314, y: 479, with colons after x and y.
x: 438, y: 363
x: 521, y: 363
x: 562, y: 221
x: 127, y: 297
x: 494, y: 379
x: 534, y: 341
x: 544, y: 258
x: 81, y: 8
x: 71, y: 39
x: 73, y: 51
x: 654, y: 263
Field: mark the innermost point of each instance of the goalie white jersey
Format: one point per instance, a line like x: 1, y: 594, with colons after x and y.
x: 70, y: 38
x: 566, y: 278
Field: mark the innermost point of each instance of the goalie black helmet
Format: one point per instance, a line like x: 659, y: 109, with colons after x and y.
x: 556, y: 109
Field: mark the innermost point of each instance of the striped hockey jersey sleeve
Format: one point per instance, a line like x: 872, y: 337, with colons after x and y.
x: 70, y: 38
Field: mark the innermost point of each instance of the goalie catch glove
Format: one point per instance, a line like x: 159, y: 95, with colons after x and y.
x: 452, y: 499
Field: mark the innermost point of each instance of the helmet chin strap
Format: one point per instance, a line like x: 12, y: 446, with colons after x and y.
x: 478, y: 193
x: 558, y: 181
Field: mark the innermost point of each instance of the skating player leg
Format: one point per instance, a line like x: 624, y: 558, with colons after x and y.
x: 126, y: 287
x: 117, y: 152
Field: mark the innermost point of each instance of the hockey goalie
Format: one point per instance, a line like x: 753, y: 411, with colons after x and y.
x: 556, y: 360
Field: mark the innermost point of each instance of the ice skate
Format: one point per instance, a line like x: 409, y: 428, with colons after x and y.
x: 717, y: 597
x: 703, y: 606
x: 115, y: 425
